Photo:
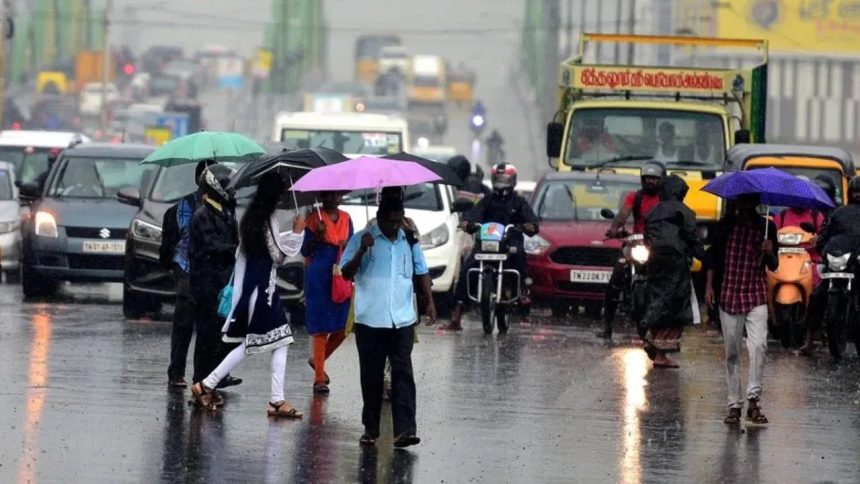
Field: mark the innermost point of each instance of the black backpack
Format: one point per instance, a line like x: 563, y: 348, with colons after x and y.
x: 169, y: 236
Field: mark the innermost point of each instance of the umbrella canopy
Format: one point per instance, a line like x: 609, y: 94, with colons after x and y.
x: 365, y: 173
x: 775, y: 187
x: 447, y: 175
x: 205, y: 145
x: 291, y: 164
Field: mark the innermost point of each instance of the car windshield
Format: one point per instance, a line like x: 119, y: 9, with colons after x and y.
x: 5, y: 185
x: 811, y: 174
x: 426, y: 196
x: 681, y: 139
x: 175, y: 182
x: 29, y: 163
x: 580, y: 199
x: 102, y: 177
x: 344, y: 141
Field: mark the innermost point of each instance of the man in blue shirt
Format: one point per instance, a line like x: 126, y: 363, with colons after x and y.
x: 383, y: 265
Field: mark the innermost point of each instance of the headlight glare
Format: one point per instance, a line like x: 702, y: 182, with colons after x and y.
x: 790, y: 239
x: 46, y: 225
x: 640, y: 254
x: 838, y: 263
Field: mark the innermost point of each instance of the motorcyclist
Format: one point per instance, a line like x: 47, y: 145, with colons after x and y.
x: 503, y: 206
x: 638, y: 204
x: 473, y: 188
x: 845, y: 220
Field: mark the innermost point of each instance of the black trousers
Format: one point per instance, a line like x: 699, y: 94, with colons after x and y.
x: 374, y: 346
x: 619, y: 278
x: 208, y: 348
x: 183, y: 326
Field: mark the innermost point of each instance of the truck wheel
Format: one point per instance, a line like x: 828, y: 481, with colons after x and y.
x: 488, y: 308
x: 136, y: 305
x: 36, y: 286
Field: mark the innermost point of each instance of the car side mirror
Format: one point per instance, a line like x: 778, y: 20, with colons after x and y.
x: 554, y: 137
x: 28, y: 190
x: 129, y: 196
x: 607, y: 214
x: 463, y: 205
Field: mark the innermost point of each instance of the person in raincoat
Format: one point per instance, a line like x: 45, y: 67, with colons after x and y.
x: 328, y: 230
x: 257, y: 321
x: 671, y: 235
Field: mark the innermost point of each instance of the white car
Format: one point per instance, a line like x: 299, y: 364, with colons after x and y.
x: 431, y: 207
x: 90, y: 100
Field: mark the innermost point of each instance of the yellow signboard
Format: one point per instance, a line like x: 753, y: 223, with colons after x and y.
x: 158, y: 135
x: 658, y: 79
x: 828, y: 26
x: 262, y: 65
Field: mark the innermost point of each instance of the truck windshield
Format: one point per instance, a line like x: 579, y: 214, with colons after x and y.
x: 580, y: 200
x: 85, y: 177
x: 681, y: 139
x: 344, y: 141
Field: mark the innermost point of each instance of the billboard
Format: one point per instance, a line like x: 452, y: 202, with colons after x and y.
x: 826, y: 26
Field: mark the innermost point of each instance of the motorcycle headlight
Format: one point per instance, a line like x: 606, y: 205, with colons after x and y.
x: 838, y: 263
x: 789, y: 239
x: 145, y: 231
x: 640, y: 254
x: 46, y: 225
x: 435, y: 238
x: 11, y: 226
x: 536, y: 245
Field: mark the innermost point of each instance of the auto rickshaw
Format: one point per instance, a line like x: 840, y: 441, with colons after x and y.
x: 461, y: 86
x: 791, y: 286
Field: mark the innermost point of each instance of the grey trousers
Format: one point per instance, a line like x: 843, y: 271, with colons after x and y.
x: 733, y: 333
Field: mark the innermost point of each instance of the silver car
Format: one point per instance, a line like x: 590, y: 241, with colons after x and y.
x: 10, y: 224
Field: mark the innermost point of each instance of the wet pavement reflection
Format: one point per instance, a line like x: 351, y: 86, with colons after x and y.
x: 85, y: 400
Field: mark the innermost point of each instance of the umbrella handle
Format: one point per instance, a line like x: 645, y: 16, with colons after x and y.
x: 766, y: 221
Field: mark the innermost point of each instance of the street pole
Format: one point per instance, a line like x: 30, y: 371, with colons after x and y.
x: 631, y: 25
x: 618, y: 13
x: 105, y: 66
x: 4, y: 23
x: 569, y: 27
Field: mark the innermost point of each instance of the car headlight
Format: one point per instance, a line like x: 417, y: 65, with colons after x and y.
x: 145, y: 231
x: 640, y: 254
x: 789, y: 239
x: 536, y: 245
x: 434, y: 238
x: 46, y: 225
x: 839, y: 263
x: 11, y: 226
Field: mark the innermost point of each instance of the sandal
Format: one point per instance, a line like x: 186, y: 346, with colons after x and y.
x: 313, y: 367
x: 754, y: 415
x: 321, y: 388
x: 282, y: 409
x: 203, y: 397
x: 734, y: 417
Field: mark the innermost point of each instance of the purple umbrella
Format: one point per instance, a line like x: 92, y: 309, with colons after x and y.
x: 364, y: 173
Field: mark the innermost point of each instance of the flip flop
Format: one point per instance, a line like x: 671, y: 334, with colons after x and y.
x: 313, y: 367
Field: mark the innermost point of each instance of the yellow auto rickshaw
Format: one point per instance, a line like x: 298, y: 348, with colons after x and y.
x: 461, y: 88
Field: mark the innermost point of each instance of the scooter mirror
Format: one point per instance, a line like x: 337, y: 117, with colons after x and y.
x: 607, y: 214
x: 807, y: 227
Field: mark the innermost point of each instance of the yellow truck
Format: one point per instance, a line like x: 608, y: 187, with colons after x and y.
x: 616, y: 117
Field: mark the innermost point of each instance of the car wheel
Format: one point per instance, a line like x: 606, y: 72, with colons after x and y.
x: 35, y: 285
x: 13, y: 276
x: 136, y: 305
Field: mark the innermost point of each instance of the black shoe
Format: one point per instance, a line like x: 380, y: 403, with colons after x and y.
x: 367, y: 440
x: 405, y: 440
x: 229, y: 381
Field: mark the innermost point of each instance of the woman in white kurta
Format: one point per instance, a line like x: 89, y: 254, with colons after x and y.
x: 257, y: 320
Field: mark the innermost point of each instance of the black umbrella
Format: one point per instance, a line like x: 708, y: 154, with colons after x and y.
x: 446, y: 173
x: 291, y: 165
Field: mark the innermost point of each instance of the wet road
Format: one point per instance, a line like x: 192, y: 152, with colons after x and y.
x: 84, y: 400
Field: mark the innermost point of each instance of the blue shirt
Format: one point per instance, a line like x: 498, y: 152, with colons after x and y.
x: 184, y: 212
x: 383, y: 284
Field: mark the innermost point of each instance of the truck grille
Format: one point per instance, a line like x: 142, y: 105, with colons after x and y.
x: 95, y: 233
x: 586, y: 256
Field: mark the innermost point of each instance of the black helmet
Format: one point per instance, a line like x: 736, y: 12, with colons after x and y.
x: 214, y: 180
x: 854, y: 190
x: 825, y: 183
x: 460, y: 164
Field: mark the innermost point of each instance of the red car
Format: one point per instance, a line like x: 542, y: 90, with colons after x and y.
x: 569, y: 262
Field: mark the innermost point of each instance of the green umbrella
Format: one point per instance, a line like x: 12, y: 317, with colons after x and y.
x: 205, y: 145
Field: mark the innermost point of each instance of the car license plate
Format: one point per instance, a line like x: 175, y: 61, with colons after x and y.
x: 837, y: 275
x: 490, y: 245
x: 597, y: 277
x: 492, y: 257
x: 104, y: 246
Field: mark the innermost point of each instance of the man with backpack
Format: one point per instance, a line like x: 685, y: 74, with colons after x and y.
x: 173, y: 255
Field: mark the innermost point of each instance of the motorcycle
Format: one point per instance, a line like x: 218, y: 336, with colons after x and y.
x: 840, y: 315
x: 636, y: 254
x: 499, y: 287
x: 790, y: 286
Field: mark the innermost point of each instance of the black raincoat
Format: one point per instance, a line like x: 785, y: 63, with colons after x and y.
x: 670, y: 232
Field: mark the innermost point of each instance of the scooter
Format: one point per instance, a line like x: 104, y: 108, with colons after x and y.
x: 790, y: 286
x: 499, y: 287
x: 840, y: 315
